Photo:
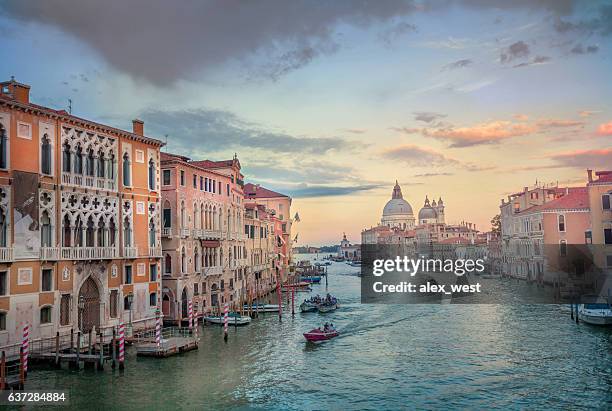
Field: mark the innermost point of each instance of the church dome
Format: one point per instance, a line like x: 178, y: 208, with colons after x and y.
x: 427, y: 213
x: 397, y: 205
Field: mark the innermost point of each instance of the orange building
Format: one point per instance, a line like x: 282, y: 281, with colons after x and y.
x: 79, y: 221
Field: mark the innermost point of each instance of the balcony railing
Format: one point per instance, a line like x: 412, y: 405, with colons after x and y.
x: 6, y: 254
x: 155, y: 251
x: 217, y: 270
x: 184, y: 232
x: 212, y: 234
x: 88, y: 181
x: 130, y: 252
x: 49, y: 253
x: 166, y: 232
x: 89, y: 253
x: 196, y: 233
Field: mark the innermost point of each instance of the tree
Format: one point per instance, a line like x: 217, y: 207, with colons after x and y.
x: 496, y: 224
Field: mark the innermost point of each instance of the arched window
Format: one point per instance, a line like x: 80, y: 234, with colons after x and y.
x: 89, y: 163
x: 78, y: 232
x: 127, y: 177
x: 203, y: 217
x: 151, y: 233
x: 66, y: 158
x: 151, y: 175
x: 111, y: 167
x: 183, y: 216
x: 45, y: 154
x: 127, y: 233
x: 3, y: 229
x: 183, y: 261
x: 195, y: 215
x: 196, y: 259
x: 101, y: 234
x: 89, y: 237
x: 561, y: 222
x: 112, y: 232
x: 66, y: 242
x: 3, y: 148
x: 45, y: 230
x: 168, y: 264
x: 78, y: 160
x: 101, y: 165
x: 167, y: 215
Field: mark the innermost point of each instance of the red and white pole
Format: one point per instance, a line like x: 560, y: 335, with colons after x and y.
x: 190, y: 314
x: 25, y: 344
x: 158, y: 329
x: 225, y: 320
x: 121, y: 345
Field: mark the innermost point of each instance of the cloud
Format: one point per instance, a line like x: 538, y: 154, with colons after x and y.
x: 587, y: 113
x: 353, y: 130
x: 521, y: 117
x: 537, y: 60
x: 600, y: 24
x: 433, y: 174
x: 427, y: 116
x: 418, y: 157
x: 199, y: 131
x: 307, y: 191
x: 579, y: 49
x: 162, y: 42
x: 483, y: 133
x: 585, y: 158
x: 559, y: 123
x: 605, y: 129
x: 391, y: 34
x: 457, y: 64
x: 516, y: 50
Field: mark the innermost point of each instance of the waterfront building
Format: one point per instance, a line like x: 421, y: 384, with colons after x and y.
x: 204, y: 254
x: 397, y: 213
x: 599, y: 191
x: 347, y: 250
x: 79, y: 221
x: 262, y: 250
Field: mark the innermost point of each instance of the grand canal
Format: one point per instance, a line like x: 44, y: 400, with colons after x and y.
x: 387, y: 357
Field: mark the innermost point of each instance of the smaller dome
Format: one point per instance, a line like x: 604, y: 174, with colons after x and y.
x: 427, y: 213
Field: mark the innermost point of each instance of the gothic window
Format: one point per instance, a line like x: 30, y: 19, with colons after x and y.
x: 127, y: 233
x: 196, y: 259
x: 127, y: 178
x: 66, y: 158
x: 168, y: 264
x: 183, y: 261
x: 78, y: 232
x: 112, y: 232
x: 183, y: 216
x: 78, y: 160
x: 45, y: 153
x: 3, y: 147
x: 3, y: 229
x: 152, y: 233
x: 89, y: 234
x: 89, y: 163
x: 101, y: 234
x: 45, y: 230
x: 66, y: 231
x: 167, y: 215
x: 151, y: 175
x: 111, y: 167
x: 101, y: 165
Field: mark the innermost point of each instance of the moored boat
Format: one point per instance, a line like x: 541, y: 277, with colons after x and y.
x: 327, y: 307
x: 597, y: 312
x: 318, y: 334
x: 263, y: 308
x: 311, y: 279
x: 233, y: 319
x: 309, y: 306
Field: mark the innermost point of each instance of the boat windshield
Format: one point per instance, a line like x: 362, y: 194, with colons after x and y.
x: 596, y: 306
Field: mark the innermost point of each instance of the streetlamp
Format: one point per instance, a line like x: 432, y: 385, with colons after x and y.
x: 81, y: 310
x: 130, y: 299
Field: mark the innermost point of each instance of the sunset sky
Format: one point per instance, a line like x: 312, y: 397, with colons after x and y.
x: 332, y: 102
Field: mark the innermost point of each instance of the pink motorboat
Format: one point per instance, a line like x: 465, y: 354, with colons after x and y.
x: 318, y: 334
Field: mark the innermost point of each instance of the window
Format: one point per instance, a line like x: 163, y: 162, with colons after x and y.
x: 588, y: 237
x: 3, y: 282
x: 605, y: 201
x: 78, y: 160
x: 47, y: 279
x: 561, y: 223
x: 45, y: 230
x: 45, y: 315
x: 3, y: 229
x: 213, y: 186
x: 152, y: 173
x: 113, y: 303
x: 201, y: 183
x: 45, y: 154
x: 168, y: 264
x: 126, y: 302
x: 128, y: 274
x: 206, y: 185
x: 3, y: 147
x: 153, y: 299
x: 89, y: 163
x: 127, y: 177
x: 607, y: 235
x: 101, y: 165
x: 563, y: 248
x: 153, y: 272
x: 228, y: 190
x: 196, y: 290
x: 2, y: 321
x: 127, y: 233
x: 195, y: 181
x: 182, y: 177
x: 152, y: 241
x: 66, y: 158
x: 220, y: 191
x: 609, y: 260
x: 166, y: 177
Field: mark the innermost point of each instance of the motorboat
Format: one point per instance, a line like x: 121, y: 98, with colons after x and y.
x: 311, y: 279
x: 309, y: 306
x: 328, y: 307
x: 233, y: 319
x: 318, y: 335
x: 597, y: 312
x: 263, y: 308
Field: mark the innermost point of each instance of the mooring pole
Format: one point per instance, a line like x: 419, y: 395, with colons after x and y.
x: 78, y: 350
x: 21, y: 368
x: 71, y: 340
x: 293, y: 301
x: 3, y: 371
x: 114, y: 347
x: 57, y: 350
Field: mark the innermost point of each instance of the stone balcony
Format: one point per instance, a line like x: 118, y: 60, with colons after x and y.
x: 211, y: 234
x: 49, y: 253
x: 88, y: 181
x: 89, y: 253
x: 6, y: 254
x: 166, y: 232
x: 155, y: 252
x: 216, y: 270
x: 184, y: 232
x: 130, y: 252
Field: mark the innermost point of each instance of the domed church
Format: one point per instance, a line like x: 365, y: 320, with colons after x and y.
x: 432, y: 213
x: 398, y: 212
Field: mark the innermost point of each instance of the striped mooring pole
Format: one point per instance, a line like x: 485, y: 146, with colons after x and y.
x: 158, y: 328
x: 225, y: 320
x: 190, y: 313
x: 121, y: 346
x: 25, y: 344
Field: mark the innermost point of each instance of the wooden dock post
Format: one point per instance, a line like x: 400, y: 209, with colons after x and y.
x: 577, y: 320
x: 89, y: 343
x: 21, y: 369
x: 572, y: 310
x: 57, y: 349
x: 3, y: 371
x: 78, y: 351
x: 121, y: 346
x: 101, y: 363
x: 71, y: 340
x: 293, y: 301
x: 114, y: 347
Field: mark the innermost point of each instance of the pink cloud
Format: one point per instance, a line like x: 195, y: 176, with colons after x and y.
x: 482, y: 133
x: 601, y: 158
x: 605, y: 129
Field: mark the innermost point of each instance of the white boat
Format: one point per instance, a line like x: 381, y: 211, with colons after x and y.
x: 596, y: 313
x: 233, y: 319
x: 325, y: 308
x: 263, y: 308
x: 309, y: 306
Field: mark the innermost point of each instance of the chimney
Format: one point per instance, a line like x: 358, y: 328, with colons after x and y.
x: 525, y: 189
x: 18, y: 91
x: 138, y: 127
x: 590, y: 173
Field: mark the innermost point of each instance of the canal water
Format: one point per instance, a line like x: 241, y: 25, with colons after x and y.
x: 387, y: 357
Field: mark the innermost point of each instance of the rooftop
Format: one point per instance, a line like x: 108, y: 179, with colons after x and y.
x: 256, y: 191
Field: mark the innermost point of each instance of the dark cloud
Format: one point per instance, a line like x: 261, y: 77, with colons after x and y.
x: 424, y: 116
x: 391, y: 34
x: 535, y: 61
x: 580, y: 49
x: 216, y: 130
x: 161, y: 41
x: 520, y: 49
x: 305, y: 191
x: 585, y: 158
x: 300, y: 171
x: 457, y: 64
x: 600, y: 24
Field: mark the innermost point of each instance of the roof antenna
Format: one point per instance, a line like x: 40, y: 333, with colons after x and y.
x: 70, y: 106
